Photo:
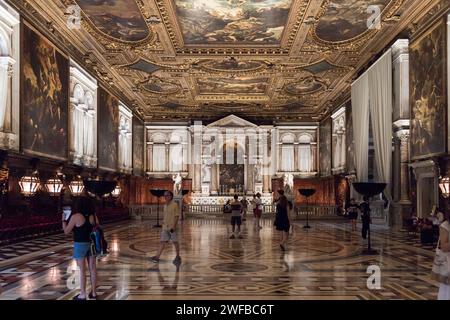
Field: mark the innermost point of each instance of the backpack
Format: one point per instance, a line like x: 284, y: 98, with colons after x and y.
x: 99, y: 246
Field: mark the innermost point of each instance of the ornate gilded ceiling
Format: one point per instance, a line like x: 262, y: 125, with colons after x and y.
x: 260, y: 59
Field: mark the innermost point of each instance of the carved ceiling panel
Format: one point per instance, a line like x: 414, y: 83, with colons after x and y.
x: 263, y: 59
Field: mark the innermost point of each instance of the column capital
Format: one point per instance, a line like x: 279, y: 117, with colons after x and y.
x: 400, y: 47
x: 402, y: 135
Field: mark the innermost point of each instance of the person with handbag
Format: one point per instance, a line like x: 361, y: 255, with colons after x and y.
x: 441, y: 265
x: 81, y: 223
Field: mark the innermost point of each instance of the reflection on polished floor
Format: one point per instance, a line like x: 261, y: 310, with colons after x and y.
x: 321, y: 263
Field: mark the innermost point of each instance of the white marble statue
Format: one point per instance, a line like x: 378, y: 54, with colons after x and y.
x: 177, y: 179
x: 206, y: 172
x: 288, y: 183
x: 257, y: 172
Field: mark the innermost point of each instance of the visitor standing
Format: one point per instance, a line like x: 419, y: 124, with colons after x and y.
x: 352, y: 211
x: 282, y: 222
x: 258, y: 210
x: 244, y: 204
x: 81, y: 222
x: 169, y: 229
x: 236, y: 220
x: 441, y: 266
x: 366, y: 221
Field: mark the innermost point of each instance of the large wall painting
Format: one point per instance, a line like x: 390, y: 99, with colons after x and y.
x: 232, y: 85
x: 428, y: 92
x: 108, y: 130
x: 232, y: 21
x: 344, y: 20
x: 138, y: 146
x: 349, y: 139
x: 118, y: 19
x: 325, y: 147
x: 44, y: 93
x: 231, y: 171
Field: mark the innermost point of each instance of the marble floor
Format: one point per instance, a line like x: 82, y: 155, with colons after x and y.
x: 324, y: 262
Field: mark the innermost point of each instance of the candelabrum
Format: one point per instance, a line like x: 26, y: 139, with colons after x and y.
x: 157, y: 193
x: 369, y: 189
x: 307, y: 193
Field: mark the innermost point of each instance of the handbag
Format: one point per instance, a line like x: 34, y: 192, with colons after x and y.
x: 441, y: 268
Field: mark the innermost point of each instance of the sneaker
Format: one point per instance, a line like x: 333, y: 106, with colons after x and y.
x: 154, y: 259
x: 77, y: 297
x: 232, y: 236
x: 177, y: 260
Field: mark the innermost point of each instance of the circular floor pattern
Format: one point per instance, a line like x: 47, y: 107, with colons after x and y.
x: 238, y: 267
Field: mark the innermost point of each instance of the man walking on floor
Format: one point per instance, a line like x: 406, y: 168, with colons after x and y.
x: 169, y: 228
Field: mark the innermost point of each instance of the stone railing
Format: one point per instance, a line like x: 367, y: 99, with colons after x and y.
x: 315, y: 212
x: 212, y: 210
x: 216, y: 209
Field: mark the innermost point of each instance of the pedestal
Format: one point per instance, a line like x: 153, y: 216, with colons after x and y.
x: 259, y: 187
x: 205, y: 189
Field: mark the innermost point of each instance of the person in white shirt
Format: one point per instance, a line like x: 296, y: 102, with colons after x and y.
x: 257, y: 210
x: 169, y: 228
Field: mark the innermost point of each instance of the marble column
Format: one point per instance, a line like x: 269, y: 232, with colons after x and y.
x: 6, y: 72
x: 214, y: 179
x: 401, y: 206
x: 149, y: 156
x: 296, y: 167
x: 197, y: 178
x: 168, y: 160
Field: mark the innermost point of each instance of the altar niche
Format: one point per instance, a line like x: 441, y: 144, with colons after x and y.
x: 232, y: 170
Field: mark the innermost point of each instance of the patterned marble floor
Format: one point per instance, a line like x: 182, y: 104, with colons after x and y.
x: 324, y: 262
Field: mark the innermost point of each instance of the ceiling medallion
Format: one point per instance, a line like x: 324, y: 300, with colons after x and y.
x: 343, y: 24
x: 233, y: 65
x: 304, y: 86
x: 156, y: 85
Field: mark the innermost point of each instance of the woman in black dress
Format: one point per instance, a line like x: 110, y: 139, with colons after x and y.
x: 282, y: 223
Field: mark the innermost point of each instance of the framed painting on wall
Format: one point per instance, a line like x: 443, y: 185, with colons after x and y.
x: 349, y: 139
x: 325, y: 148
x: 44, y: 97
x: 108, y: 130
x: 428, y: 92
x: 138, y: 147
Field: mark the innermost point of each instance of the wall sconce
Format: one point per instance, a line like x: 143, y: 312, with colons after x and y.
x: 444, y: 185
x: 116, y: 192
x: 76, y: 187
x: 54, y: 186
x: 29, y: 185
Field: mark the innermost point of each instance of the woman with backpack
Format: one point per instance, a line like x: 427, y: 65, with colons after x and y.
x: 81, y: 222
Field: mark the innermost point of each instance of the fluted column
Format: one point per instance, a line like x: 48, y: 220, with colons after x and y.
x: 167, y: 145
x: 149, y: 156
x: 401, y: 207
x: 6, y: 73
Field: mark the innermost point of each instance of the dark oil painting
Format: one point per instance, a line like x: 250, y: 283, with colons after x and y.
x: 232, y: 65
x: 349, y: 139
x: 232, y: 21
x: 325, y: 147
x: 232, y: 85
x: 344, y: 20
x: 231, y: 171
x: 108, y: 130
x: 428, y: 92
x: 44, y: 93
x: 304, y: 86
x: 138, y: 146
x: 119, y: 19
